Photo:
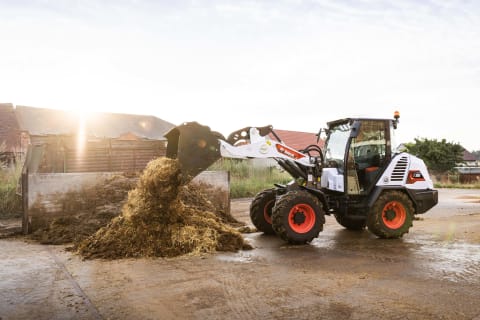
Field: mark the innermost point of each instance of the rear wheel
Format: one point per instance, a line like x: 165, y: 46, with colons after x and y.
x: 298, y: 217
x: 391, y: 216
x: 261, y: 210
x: 351, y: 223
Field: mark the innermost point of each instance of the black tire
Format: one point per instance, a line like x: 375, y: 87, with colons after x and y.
x: 391, y: 215
x: 351, y: 224
x: 298, y: 217
x: 261, y: 211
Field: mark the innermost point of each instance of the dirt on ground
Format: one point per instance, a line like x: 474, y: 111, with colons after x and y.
x: 431, y: 273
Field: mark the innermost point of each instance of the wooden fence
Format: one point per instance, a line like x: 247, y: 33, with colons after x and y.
x: 68, y: 154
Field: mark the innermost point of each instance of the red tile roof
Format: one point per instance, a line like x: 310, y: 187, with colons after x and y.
x: 297, y: 140
x: 467, y: 156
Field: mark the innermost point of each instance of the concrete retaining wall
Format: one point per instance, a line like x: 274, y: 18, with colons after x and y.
x: 42, y: 186
x: 46, y: 192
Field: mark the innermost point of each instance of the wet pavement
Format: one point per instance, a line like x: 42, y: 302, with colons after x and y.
x: 433, y: 272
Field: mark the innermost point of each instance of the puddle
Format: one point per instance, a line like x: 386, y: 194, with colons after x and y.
x: 452, y: 261
x: 420, y: 254
x: 241, y: 257
x: 457, y: 262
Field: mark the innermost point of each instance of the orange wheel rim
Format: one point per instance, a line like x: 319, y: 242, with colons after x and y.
x: 394, y: 215
x: 267, y: 211
x: 301, y: 218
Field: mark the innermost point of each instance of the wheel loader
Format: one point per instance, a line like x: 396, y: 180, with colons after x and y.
x: 358, y: 177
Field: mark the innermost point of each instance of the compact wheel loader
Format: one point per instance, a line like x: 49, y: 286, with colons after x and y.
x: 358, y: 177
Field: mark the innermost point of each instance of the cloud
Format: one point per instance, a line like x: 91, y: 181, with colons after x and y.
x: 293, y: 63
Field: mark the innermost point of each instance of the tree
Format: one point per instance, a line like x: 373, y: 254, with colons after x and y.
x: 439, y: 156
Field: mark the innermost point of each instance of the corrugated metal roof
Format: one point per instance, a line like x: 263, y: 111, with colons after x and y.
x: 468, y: 170
x: 296, y: 139
x: 41, y: 121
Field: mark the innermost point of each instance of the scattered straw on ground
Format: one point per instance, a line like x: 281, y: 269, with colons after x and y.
x: 162, y: 219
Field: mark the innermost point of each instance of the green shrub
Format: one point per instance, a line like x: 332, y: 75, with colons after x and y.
x: 248, y: 178
x: 10, y: 202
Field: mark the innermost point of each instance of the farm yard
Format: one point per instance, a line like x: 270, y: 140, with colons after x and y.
x: 239, y: 160
x: 431, y: 273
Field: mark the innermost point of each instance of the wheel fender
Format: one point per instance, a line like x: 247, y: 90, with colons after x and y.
x: 320, y: 196
x: 378, y: 191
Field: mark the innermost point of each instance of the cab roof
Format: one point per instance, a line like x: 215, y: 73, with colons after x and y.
x: 350, y: 120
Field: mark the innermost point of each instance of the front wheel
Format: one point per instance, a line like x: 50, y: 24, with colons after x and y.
x: 261, y: 210
x: 391, y: 215
x: 298, y: 217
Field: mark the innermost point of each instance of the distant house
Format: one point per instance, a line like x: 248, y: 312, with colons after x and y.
x: 469, y: 170
x: 297, y: 139
x: 63, y: 141
x: 469, y: 159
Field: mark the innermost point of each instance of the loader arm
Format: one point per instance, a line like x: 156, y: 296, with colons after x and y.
x: 197, y: 147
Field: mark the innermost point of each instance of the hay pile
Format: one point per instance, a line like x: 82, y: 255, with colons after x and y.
x: 162, y: 219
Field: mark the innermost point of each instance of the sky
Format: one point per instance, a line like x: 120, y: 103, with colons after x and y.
x: 228, y: 64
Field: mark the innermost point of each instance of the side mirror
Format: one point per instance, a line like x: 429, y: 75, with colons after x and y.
x: 320, y: 133
x: 355, y: 129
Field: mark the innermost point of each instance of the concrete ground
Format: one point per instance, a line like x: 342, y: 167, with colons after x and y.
x: 433, y: 272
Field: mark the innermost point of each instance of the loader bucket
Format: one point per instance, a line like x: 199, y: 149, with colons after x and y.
x: 195, y: 146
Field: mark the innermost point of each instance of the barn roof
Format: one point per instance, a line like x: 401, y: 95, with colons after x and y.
x: 42, y: 121
x: 468, y: 156
x: 296, y: 139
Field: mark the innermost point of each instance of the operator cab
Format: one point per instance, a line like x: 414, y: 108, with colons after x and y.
x: 357, y: 151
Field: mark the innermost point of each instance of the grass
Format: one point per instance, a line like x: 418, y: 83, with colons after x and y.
x: 248, y: 178
x: 450, y: 185
x: 10, y: 202
x: 452, y: 181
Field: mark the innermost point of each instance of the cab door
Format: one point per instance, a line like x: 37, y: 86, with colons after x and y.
x: 367, y: 155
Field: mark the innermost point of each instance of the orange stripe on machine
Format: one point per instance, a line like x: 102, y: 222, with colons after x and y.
x: 289, y: 152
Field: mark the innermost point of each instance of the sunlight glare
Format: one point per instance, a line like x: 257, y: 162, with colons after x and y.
x: 82, y: 117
